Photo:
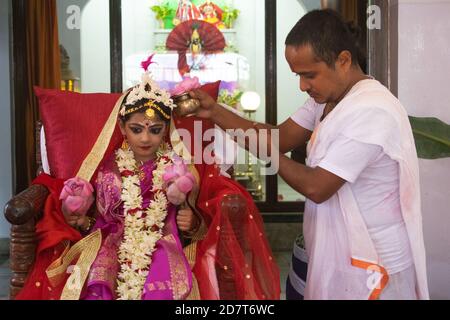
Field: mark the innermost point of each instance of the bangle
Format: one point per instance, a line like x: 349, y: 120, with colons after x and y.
x: 89, y: 227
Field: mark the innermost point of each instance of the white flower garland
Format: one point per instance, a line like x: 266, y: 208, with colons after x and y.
x: 142, y: 229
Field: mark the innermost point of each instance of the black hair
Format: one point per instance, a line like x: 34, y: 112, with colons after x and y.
x: 329, y: 35
x: 143, y: 109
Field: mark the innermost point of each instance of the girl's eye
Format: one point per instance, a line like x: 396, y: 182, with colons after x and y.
x: 136, y: 130
x: 155, y: 130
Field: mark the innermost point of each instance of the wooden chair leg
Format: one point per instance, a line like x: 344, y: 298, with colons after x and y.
x: 22, y: 212
x: 22, y: 252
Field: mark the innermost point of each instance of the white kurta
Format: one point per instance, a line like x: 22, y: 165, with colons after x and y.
x: 343, y: 260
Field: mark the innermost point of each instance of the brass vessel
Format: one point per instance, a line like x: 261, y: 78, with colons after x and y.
x: 186, y: 105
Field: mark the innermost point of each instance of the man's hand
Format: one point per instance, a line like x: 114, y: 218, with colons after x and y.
x: 186, y: 220
x: 208, y: 104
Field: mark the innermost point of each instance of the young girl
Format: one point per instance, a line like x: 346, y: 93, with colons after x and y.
x: 147, y: 198
x: 141, y: 246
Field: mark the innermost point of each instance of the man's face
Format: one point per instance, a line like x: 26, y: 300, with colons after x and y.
x: 322, y: 83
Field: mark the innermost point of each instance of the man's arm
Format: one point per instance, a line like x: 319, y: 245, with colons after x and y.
x: 344, y: 161
x: 316, y: 184
x: 291, y: 134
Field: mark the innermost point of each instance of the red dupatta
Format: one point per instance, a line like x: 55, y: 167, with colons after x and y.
x: 233, y: 261
x: 53, y: 236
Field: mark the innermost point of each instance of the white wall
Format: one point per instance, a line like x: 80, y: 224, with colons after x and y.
x: 290, y: 98
x: 138, y: 25
x: 250, y: 39
x: 5, y: 119
x: 424, y: 73
x: 95, y: 44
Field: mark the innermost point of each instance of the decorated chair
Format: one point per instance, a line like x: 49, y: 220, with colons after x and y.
x: 225, y: 206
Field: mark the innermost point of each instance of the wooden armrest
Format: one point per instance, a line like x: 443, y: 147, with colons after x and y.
x: 22, y: 212
x: 27, y: 205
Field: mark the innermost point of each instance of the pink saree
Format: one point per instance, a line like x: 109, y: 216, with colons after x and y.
x: 170, y: 276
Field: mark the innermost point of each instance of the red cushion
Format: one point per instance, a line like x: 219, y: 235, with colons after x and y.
x: 72, y: 123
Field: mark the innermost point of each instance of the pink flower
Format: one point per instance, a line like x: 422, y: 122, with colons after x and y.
x: 178, y: 180
x: 188, y: 84
x: 77, y: 196
x: 174, y: 195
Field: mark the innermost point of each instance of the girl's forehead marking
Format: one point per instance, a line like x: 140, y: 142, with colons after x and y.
x: 149, y: 123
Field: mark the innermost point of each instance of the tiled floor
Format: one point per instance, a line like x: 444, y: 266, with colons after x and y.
x: 283, y: 259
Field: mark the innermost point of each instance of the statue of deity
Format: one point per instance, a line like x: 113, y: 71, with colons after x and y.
x: 187, y: 11
x: 212, y: 13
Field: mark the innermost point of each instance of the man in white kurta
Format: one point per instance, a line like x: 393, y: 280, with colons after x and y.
x: 366, y: 141
x: 363, y: 223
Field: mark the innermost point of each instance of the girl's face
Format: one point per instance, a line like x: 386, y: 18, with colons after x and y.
x: 144, y: 136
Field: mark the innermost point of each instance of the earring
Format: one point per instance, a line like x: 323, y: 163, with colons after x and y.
x: 125, y: 146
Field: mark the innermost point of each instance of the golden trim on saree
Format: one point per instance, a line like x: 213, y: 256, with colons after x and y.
x: 105, y: 269
x: 56, y: 278
x: 91, y: 162
x: 85, y: 251
x: 191, y: 253
x: 178, y: 272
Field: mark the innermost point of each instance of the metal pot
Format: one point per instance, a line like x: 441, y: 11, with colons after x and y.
x: 186, y: 105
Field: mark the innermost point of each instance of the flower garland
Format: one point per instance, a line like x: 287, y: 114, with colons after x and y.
x: 149, y: 89
x: 143, y: 228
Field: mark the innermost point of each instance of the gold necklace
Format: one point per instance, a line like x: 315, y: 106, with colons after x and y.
x: 140, y: 171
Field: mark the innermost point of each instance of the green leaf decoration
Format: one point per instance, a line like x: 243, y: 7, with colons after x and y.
x: 432, y: 137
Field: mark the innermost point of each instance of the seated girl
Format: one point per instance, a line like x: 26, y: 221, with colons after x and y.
x: 137, y: 220
x: 147, y: 201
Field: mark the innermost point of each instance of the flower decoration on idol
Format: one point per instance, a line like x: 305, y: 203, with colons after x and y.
x: 77, y: 196
x: 178, y: 181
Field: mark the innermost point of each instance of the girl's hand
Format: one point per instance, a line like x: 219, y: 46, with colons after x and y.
x: 74, y: 220
x: 186, y: 220
x: 70, y: 217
